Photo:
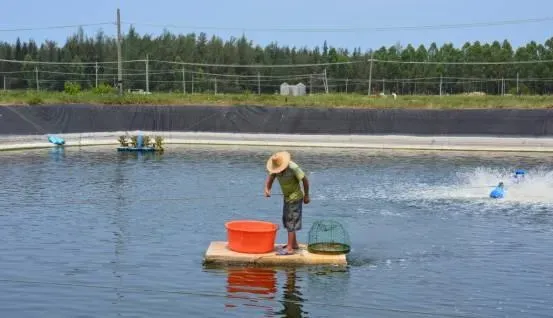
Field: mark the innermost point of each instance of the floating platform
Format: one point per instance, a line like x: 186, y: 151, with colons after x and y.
x: 218, y: 253
x: 141, y: 149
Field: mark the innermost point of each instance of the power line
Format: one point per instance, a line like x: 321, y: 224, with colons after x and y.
x: 351, y: 62
x: 55, y: 27
x: 258, y: 65
x: 63, y: 63
x: 353, y: 29
x: 286, y: 65
x: 463, y: 63
x: 300, y: 29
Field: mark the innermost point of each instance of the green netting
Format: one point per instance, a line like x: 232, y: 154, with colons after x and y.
x: 328, y: 237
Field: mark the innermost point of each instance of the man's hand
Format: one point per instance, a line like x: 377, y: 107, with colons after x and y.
x: 268, y: 184
x: 306, y: 199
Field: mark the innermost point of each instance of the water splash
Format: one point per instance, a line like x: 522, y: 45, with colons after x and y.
x: 468, y: 186
x: 535, y: 188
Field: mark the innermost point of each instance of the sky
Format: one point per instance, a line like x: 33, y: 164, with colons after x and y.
x: 312, y: 21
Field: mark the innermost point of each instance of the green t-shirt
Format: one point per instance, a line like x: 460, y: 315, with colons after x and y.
x: 289, y: 181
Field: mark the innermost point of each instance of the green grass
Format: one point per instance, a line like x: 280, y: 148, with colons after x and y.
x: 318, y: 100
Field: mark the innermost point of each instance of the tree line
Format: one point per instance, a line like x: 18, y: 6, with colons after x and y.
x: 409, y: 78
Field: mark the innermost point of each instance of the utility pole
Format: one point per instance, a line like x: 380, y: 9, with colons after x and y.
x: 370, y: 73
x: 119, y: 62
x: 147, y: 76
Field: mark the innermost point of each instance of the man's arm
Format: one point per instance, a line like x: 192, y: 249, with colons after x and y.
x: 306, y: 198
x: 300, y: 175
x: 305, y: 185
x: 269, y: 184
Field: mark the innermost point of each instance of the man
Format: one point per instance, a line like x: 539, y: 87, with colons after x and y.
x: 289, y: 175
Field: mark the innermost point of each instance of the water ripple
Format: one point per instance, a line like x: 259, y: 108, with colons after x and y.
x: 92, y: 232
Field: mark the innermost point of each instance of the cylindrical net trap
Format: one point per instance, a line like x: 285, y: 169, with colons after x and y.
x: 328, y: 237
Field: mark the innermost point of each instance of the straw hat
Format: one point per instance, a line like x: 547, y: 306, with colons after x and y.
x: 278, y: 162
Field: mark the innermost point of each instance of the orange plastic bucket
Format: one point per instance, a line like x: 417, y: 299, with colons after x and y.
x: 252, y: 237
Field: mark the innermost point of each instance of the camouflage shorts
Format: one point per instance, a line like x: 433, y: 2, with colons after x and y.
x: 291, y: 215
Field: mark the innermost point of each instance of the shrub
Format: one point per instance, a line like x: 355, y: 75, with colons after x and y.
x: 35, y: 100
x: 71, y: 88
x: 523, y: 90
x: 103, y: 88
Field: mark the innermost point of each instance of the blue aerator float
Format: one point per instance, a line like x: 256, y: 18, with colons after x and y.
x: 520, y: 172
x: 498, y: 192
x: 56, y: 140
x: 519, y: 175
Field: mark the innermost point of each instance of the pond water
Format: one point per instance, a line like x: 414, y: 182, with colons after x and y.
x: 94, y: 233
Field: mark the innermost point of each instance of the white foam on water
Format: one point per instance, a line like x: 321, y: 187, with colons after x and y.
x: 467, y: 187
x: 535, y: 188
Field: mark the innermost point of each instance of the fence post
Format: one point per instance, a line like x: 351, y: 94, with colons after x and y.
x: 147, y: 75
x: 183, y: 82
x: 36, y: 78
x: 96, y: 73
x: 258, y: 84
x: 326, y: 82
x: 518, y: 91
x: 347, y: 80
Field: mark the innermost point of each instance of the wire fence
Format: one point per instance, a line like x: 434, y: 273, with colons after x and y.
x: 150, y: 76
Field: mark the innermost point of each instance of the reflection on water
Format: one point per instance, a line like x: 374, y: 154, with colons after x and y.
x: 256, y: 287
x: 57, y: 153
x: 260, y: 282
x: 146, y: 156
x: 291, y: 297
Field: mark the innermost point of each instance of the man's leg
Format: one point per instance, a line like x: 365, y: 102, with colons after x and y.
x: 291, y: 241
x: 295, y: 244
x: 292, y: 222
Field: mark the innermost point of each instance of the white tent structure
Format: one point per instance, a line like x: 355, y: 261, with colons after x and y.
x: 292, y: 90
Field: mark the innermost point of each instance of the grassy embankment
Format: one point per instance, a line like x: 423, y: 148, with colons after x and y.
x: 319, y: 100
